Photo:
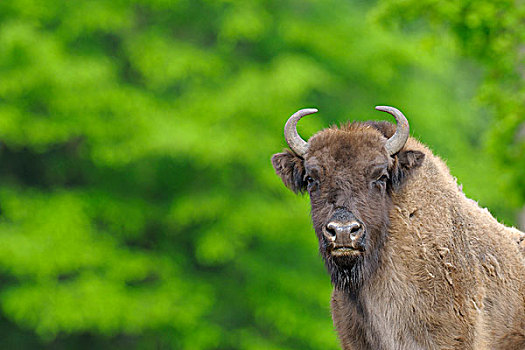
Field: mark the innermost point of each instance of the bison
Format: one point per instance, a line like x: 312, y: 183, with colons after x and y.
x: 414, y: 263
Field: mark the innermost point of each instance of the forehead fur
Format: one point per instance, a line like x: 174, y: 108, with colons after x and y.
x: 350, y: 140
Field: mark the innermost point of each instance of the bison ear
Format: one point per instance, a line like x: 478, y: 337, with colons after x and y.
x: 291, y: 170
x: 404, y: 163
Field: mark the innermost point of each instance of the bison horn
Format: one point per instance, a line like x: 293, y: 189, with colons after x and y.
x: 398, y: 140
x: 296, y: 143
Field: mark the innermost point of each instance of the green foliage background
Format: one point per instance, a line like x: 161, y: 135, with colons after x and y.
x: 138, y: 205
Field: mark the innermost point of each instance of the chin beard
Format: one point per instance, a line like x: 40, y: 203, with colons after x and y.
x: 349, y: 273
x: 346, y: 273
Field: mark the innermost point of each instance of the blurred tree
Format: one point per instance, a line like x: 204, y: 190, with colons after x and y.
x: 138, y: 205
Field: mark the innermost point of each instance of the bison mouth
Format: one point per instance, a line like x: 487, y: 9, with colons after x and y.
x: 345, y: 251
x: 345, y: 256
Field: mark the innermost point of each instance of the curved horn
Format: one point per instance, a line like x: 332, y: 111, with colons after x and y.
x: 296, y: 143
x: 398, y: 140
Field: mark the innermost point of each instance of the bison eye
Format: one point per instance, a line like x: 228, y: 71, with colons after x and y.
x: 380, y: 183
x: 383, y: 178
x: 311, y: 183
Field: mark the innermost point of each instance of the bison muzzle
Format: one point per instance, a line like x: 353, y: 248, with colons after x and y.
x: 414, y: 263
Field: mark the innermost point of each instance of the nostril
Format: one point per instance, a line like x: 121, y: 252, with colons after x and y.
x: 331, y: 230
x: 354, y: 227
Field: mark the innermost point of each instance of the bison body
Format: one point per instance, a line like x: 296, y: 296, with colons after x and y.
x: 414, y: 263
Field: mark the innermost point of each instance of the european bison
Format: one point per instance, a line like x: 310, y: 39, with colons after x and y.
x: 414, y: 263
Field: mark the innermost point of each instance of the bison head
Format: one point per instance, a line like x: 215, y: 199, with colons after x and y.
x: 351, y: 174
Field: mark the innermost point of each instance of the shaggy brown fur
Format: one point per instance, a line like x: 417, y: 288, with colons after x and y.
x: 437, y: 271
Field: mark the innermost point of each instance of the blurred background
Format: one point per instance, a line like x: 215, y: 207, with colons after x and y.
x: 138, y: 205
